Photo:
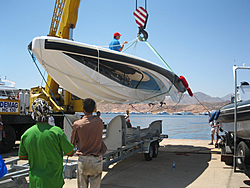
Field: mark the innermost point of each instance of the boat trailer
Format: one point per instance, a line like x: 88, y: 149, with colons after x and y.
x: 121, y: 141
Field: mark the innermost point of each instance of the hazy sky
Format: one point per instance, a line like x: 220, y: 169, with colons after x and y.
x: 199, y: 39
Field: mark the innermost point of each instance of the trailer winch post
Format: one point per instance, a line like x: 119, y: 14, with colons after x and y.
x: 235, y: 68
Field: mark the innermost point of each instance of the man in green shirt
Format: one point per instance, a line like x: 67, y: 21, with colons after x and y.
x: 43, y: 146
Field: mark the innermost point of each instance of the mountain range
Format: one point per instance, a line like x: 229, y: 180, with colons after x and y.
x: 202, y: 97
x: 200, y: 102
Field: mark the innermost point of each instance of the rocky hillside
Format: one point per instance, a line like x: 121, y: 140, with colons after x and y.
x: 189, y: 104
x: 202, y: 97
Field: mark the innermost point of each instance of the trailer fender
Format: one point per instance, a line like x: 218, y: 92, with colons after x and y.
x: 148, y: 155
x: 147, y: 145
x: 150, y: 149
x: 155, y: 149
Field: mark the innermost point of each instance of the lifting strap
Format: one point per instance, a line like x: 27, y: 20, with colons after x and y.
x: 158, y: 55
x: 140, y: 38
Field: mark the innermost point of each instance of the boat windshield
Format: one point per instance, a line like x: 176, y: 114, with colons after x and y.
x: 127, y: 75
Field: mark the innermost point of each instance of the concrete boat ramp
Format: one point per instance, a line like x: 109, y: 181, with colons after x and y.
x: 197, y: 164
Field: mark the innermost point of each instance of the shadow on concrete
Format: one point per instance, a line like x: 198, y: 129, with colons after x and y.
x: 135, y: 171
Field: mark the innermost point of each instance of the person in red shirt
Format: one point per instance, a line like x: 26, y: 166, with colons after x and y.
x: 115, y: 44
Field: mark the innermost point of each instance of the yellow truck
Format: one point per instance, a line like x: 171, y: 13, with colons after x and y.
x: 14, y: 110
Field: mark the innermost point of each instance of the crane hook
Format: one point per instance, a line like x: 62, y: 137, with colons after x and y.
x: 144, y: 33
x: 141, y: 17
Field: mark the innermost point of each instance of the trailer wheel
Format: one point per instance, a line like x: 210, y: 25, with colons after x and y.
x: 9, y: 140
x: 20, y: 133
x: 148, y: 156
x: 244, y: 154
x: 155, y: 149
x: 223, y: 148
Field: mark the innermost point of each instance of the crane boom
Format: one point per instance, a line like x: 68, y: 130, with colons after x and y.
x: 69, y: 18
x: 57, y: 13
x: 65, y: 13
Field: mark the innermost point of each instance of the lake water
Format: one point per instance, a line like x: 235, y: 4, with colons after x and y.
x: 175, y: 126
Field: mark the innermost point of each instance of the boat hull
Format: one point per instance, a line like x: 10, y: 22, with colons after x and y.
x: 226, y: 118
x: 243, y: 129
x: 104, y: 75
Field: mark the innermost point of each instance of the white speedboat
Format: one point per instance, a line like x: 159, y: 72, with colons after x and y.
x: 105, y: 75
x: 7, y: 88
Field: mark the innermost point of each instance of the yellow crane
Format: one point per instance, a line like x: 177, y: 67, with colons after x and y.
x: 65, y: 13
x: 15, y: 112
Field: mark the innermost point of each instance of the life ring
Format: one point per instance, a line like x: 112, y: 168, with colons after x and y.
x: 184, y: 81
x: 145, y: 34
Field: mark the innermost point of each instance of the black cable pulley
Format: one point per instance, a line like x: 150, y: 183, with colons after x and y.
x: 144, y: 33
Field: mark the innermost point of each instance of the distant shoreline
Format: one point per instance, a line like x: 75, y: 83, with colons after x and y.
x: 156, y: 108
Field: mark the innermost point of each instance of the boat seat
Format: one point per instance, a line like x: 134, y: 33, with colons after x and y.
x: 156, y: 127
x: 137, y: 134
x: 118, y: 134
x: 115, y: 133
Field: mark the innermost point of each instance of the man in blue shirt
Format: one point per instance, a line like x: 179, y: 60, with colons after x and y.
x: 115, y: 44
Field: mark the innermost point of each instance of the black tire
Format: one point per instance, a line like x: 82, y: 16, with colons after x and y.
x: 155, y: 149
x: 148, y: 156
x: 244, y: 155
x: 9, y: 140
x: 223, y: 149
x: 232, y: 149
x: 20, y: 133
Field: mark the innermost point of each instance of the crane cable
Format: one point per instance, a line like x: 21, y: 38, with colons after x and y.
x: 144, y: 38
x: 34, y: 60
x: 145, y: 4
x: 202, y: 104
x: 157, y: 54
x: 152, y: 48
x: 139, y: 38
x: 160, y: 57
x: 151, y: 108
